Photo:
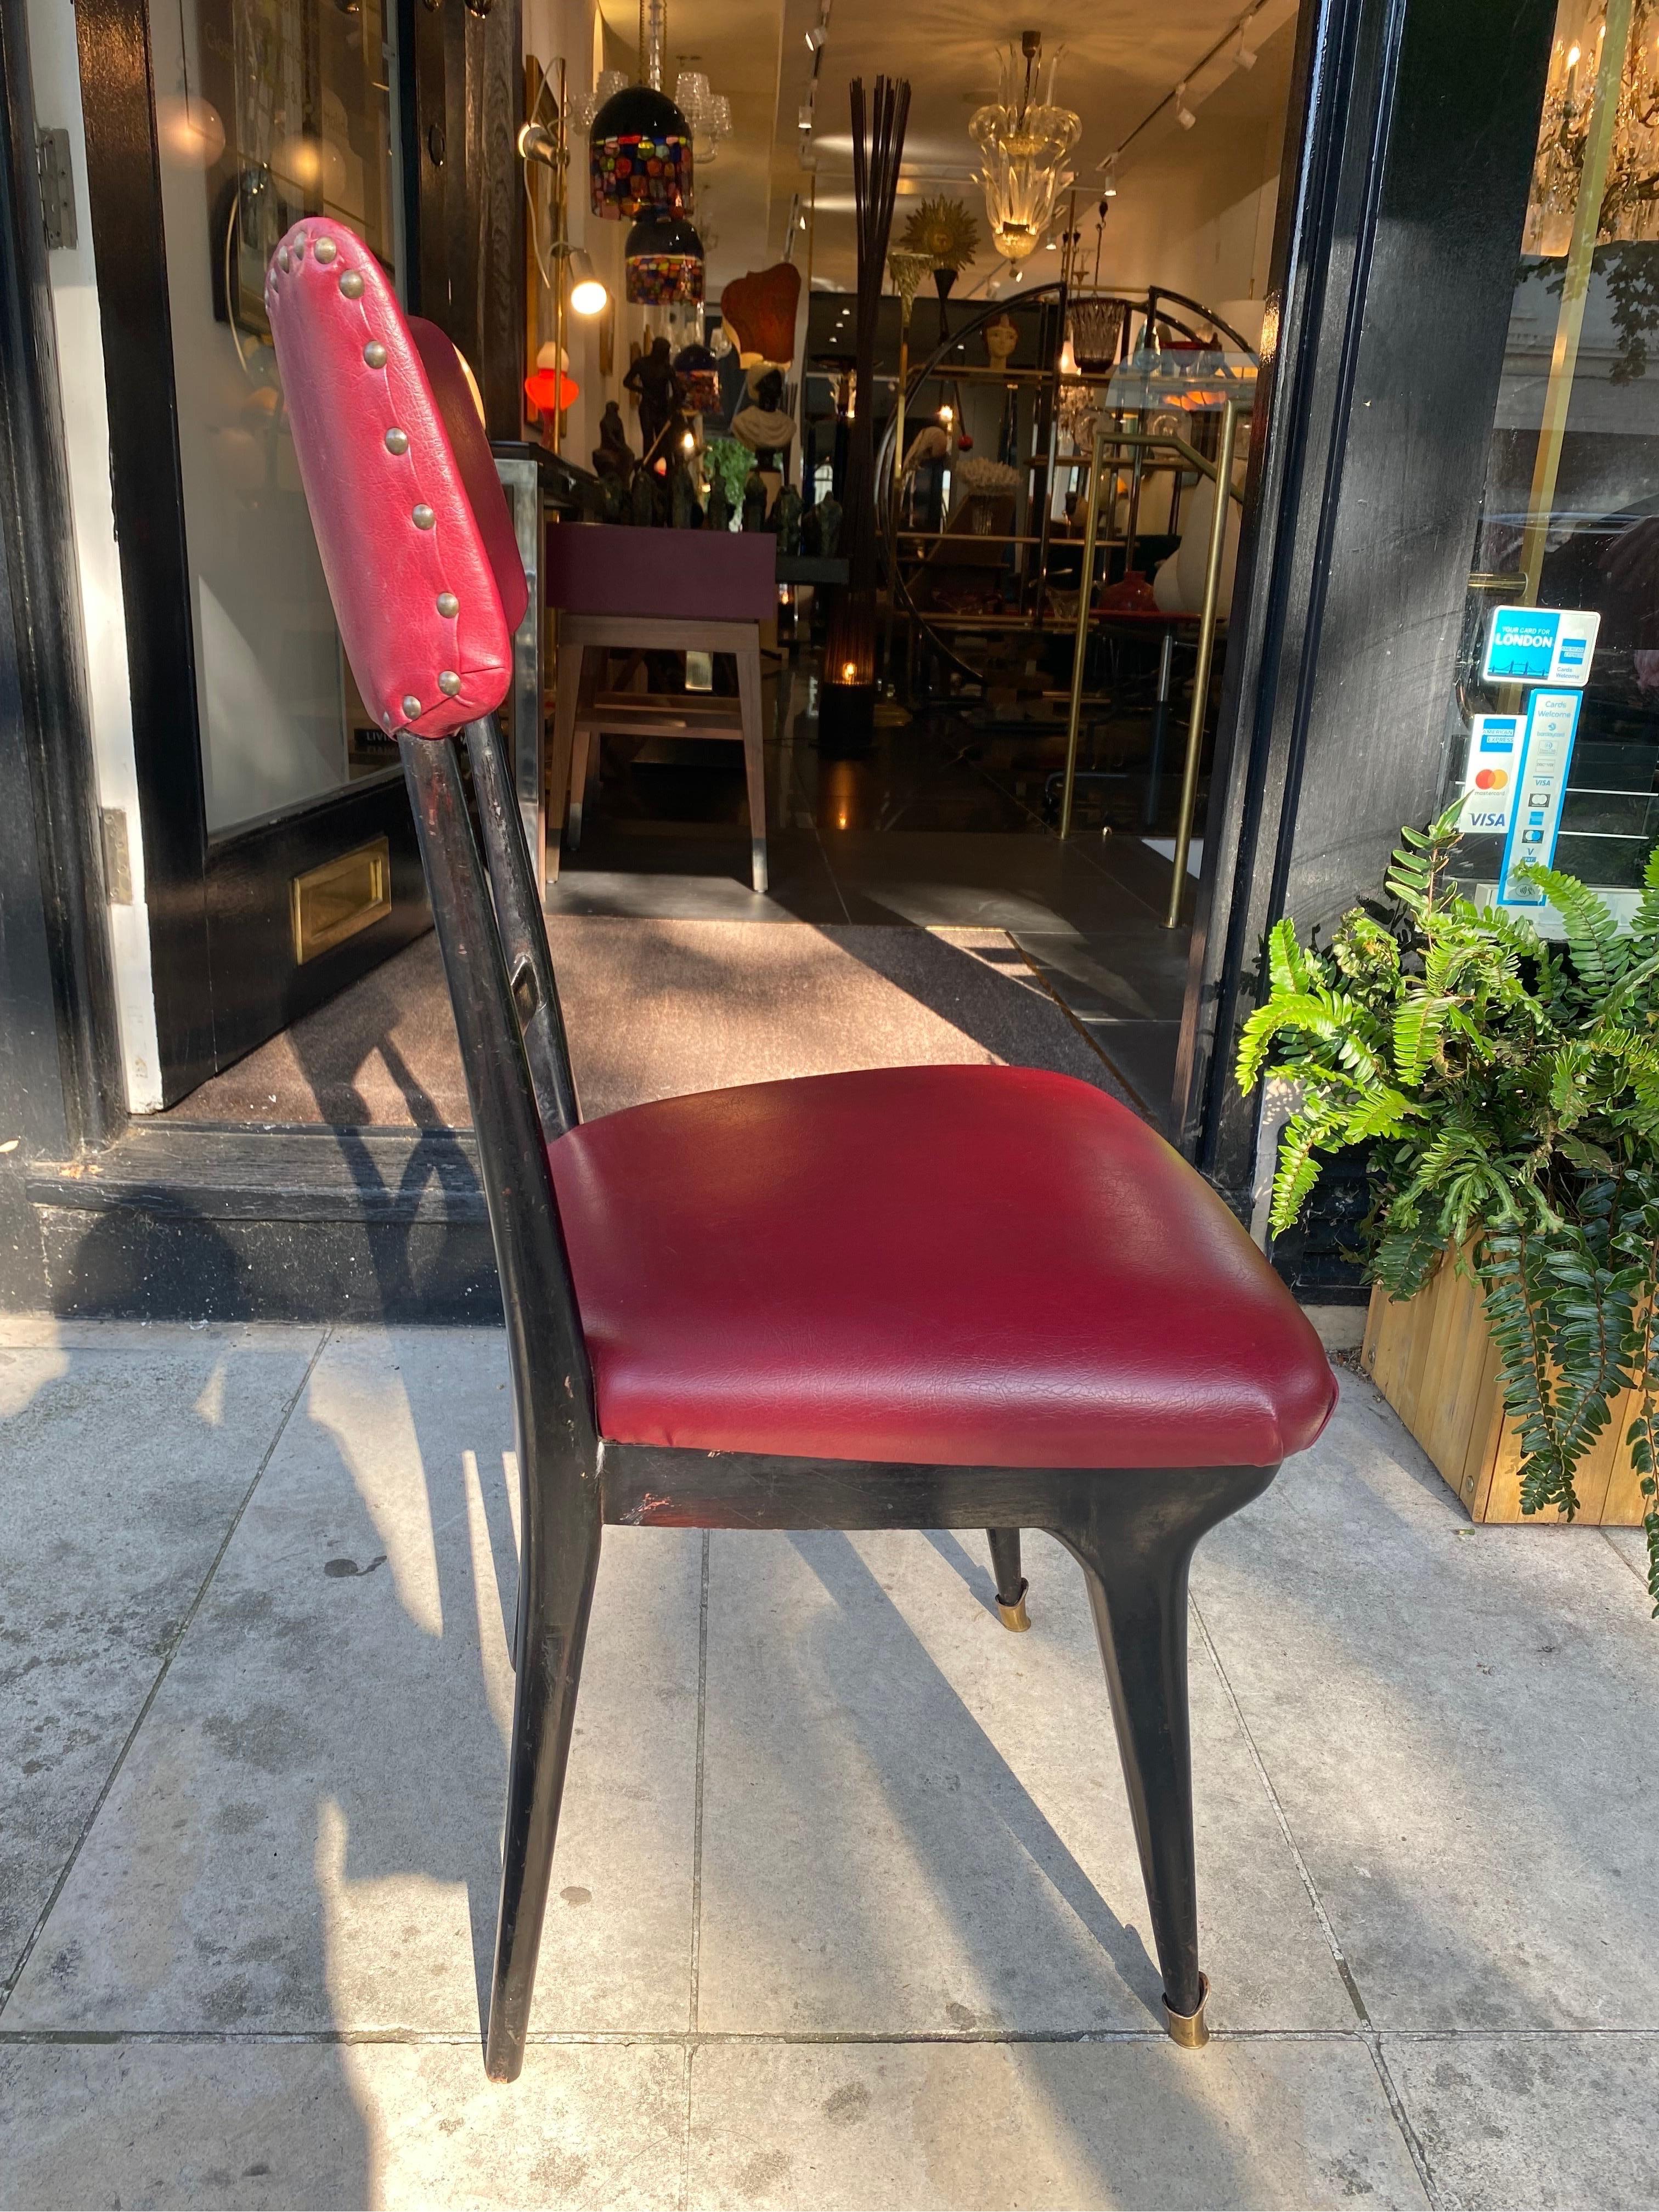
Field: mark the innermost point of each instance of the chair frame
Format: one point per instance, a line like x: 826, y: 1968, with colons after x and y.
x: 1132, y: 1530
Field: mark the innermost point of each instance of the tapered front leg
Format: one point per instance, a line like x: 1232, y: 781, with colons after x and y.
x: 1010, y: 1584
x: 1135, y: 1550
x: 555, y: 1590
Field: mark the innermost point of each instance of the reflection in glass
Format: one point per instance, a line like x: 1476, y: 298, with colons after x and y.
x: 1570, y: 516
x: 301, y: 92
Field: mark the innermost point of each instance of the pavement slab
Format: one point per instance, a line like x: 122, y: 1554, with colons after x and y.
x: 123, y: 1463
x: 1534, y: 2119
x: 915, y: 1821
x: 255, y: 2124
x: 307, y: 1832
x: 1459, y: 1723
x: 1258, y: 2122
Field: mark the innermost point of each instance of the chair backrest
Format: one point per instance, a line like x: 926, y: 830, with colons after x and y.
x: 409, y: 517
x: 423, y: 570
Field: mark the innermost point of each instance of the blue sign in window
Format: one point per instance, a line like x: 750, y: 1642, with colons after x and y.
x: 1522, y: 644
x: 1540, y: 644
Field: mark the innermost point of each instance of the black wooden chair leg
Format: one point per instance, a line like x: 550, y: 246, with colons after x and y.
x: 1136, y: 1572
x: 552, y: 1628
x: 1011, y: 1585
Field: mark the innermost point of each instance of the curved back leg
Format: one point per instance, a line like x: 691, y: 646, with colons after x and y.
x: 556, y: 1591
x: 558, y: 1446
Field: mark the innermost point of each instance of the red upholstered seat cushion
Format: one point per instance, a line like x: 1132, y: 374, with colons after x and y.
x: 960, y: 1266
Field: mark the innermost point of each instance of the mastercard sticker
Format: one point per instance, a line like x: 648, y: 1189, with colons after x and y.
x: 1489, y: 777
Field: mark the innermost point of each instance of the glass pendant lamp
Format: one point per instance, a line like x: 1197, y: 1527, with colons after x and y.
x: 663, y: 261
x: 639, y: 145
x: 1024, y: 140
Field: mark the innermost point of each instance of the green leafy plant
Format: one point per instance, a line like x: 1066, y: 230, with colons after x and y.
x: 731, y: 462
x: 1508, y: 1089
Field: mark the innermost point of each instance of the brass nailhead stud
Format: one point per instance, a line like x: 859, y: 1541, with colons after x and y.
x: 411, y: 707
x: 352, y: 284
x: 448, y: 605
x: 397, y: 441
x: 326, y: 249
x: 423, y: 518
x: 299, y: 249
x: 448, y: 682
x: 374, y: 354
x: 285, y: 261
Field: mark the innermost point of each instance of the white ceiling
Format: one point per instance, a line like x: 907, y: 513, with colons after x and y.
x: 1116, y: 66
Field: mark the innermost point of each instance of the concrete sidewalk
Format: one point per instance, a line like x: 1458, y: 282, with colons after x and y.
x: 846, y: 1910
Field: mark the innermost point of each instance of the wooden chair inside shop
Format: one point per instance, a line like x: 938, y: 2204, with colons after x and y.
x: 664, y: 592
x: 911, y: 1297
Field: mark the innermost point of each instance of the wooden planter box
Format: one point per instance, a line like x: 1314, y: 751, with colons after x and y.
x: 1433, y: 1360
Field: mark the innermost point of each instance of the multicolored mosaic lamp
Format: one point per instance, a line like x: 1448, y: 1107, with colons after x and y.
x: 663, y: 260
x: 639, y: 145
x: 700, y: 376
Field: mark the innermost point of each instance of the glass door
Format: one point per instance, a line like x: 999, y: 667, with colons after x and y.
x: 279, y: 855
x: 293, y: 101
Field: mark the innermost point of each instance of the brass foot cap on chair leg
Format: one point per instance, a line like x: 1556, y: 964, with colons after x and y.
x: 1015, y: 1616
x: 1187, y: 2028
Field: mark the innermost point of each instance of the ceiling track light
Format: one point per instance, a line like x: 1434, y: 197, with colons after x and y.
x: 1244, y: 54
x: 1183, y: 114
x: 816, y: 37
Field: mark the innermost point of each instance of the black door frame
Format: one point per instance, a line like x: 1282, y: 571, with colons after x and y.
x: 1408, y: 155
x: 222, y: 963
x: 61, y: 1085
x: 61, y: 1082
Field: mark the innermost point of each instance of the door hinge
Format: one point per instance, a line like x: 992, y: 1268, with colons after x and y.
x: 51, y: 154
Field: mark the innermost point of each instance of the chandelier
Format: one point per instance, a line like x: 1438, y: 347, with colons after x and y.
x: 1629, y: 210
x: 606, y: 85
x: 708, y: 112
x: 1024, y: 139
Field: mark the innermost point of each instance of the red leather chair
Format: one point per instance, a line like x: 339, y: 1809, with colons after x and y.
x: 939, y: 1297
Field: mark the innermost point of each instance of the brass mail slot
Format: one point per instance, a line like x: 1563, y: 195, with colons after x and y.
x: 333, y: 902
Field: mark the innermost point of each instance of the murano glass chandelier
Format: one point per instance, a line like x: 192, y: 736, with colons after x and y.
x: 639, y: 145
x: 663, y: 261
x: 1629, y: 208
x: 1024, y: 139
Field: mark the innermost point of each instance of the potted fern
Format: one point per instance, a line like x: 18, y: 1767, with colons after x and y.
x: 1507, y: 1087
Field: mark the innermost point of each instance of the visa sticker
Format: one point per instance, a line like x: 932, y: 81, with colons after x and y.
x: 1490, y: 777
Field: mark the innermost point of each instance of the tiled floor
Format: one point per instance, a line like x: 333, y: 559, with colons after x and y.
x: 846, y: 1910
x: 942, y: 826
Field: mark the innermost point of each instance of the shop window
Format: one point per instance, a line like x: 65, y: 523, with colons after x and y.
x: 1553, y: 741
x: 266, y: 111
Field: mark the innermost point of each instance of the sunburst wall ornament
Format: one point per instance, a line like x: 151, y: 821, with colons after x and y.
x: 945, y: 231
